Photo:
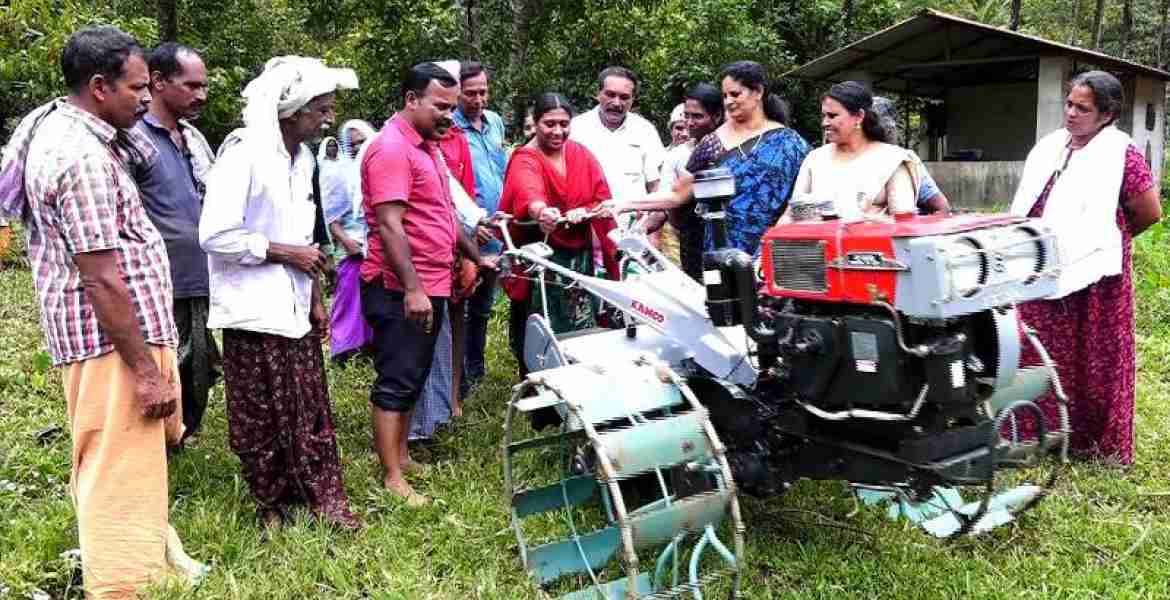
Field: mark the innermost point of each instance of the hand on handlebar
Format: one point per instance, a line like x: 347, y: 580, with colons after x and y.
x: 548, y: 218
x: 483, y: 234
x: 611, y: 208
x: 576, y: 215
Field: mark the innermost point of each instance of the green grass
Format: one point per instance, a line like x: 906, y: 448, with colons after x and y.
x: 1104, y: 534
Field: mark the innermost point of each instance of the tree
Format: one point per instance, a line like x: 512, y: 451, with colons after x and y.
x: 32, y: 35
x: 1074, y: 22
x: 531, y: 45
x: 1162, y: 34
x: 1126, y: 26
x: 1098, y: 23
x: 470, y: 9
x: 522, y: 12
x: 992, y: 12
x: 168, y: 22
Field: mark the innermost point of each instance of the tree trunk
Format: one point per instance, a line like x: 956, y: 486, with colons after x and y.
x: 469, y: 16
x: 1015, y: 24
x: 168, y: 22
x: 845, y: 30
x: 522, y: 13
x: 1074, y: 23
x: 1126, y: 26
x: 1160, y: 52
x: 1098, y: 24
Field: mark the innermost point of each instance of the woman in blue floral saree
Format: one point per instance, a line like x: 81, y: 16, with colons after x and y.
x: 759, y: 149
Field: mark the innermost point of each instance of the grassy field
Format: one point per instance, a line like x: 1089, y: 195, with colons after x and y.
x: 1104, y: 534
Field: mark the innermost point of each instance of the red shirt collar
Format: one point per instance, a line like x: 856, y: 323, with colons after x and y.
x: 406, y: 129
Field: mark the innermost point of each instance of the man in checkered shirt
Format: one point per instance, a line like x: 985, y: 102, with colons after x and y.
x: 103, y: 281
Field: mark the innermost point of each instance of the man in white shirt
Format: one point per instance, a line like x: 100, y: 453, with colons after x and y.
x: 257, y: 229
x: 626, y: 145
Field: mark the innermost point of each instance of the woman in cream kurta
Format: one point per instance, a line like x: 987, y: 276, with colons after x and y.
x: 856, y: 169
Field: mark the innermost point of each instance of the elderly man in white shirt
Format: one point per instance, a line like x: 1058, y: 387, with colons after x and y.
x: 257, y: 229
x: 626, y: 145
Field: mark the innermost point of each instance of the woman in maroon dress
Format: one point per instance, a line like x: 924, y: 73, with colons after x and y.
x: 1095, y: 189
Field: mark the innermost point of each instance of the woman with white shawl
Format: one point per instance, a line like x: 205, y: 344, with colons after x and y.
x: 341, y: 199
x: 1094, y: 188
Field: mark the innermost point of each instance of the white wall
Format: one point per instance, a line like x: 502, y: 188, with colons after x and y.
x: 998, y: 119
x: 978, y: 185
x: 1150, y: 92
x: 1054, y: 71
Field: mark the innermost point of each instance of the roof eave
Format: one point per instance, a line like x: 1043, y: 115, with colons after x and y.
x: 812, y: 69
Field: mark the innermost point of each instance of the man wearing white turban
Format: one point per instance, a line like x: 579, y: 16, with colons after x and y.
x: 257, y: 229
x: 678, y: 127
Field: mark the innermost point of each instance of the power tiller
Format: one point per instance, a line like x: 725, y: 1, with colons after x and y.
x: 882, y: 352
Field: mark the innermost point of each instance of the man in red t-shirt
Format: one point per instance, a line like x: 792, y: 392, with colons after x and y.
x: 406, y: 276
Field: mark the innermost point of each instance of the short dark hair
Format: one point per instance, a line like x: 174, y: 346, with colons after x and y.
x: 96, y: 51
x: 550, y: 101
x: 421, y: 75
x: 709, y: 97
x: 751, y: 75
x: 615, y: 71
x: 856, y: 97
x: 1108, y: 94
x: 472, y: 68
x: 164, y: 58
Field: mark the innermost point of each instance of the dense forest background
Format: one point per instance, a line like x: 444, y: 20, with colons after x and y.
x: 532, y: 45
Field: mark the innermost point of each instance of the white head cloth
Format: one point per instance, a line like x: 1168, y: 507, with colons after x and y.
x: 351, y: 160
x: 323, y: 150
x: 451, y: 66
x: 287, y: 84
x: 345, y: 136
x: 677, y: 114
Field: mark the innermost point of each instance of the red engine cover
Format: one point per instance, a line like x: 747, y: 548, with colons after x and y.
x: 863, y: 284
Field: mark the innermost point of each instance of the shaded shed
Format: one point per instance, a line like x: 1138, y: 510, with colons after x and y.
x: 990, y: 94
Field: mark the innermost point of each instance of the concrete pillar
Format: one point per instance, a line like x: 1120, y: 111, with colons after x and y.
x: 1053, y: 72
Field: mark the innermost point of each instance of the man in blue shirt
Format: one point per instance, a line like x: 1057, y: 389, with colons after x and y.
x: 172, y: 192
x: 485, y: 134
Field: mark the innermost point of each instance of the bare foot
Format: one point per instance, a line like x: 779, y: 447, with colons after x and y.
x: 403, y: 490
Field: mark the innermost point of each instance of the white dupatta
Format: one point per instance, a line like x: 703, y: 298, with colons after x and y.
x: 1082, y: 206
